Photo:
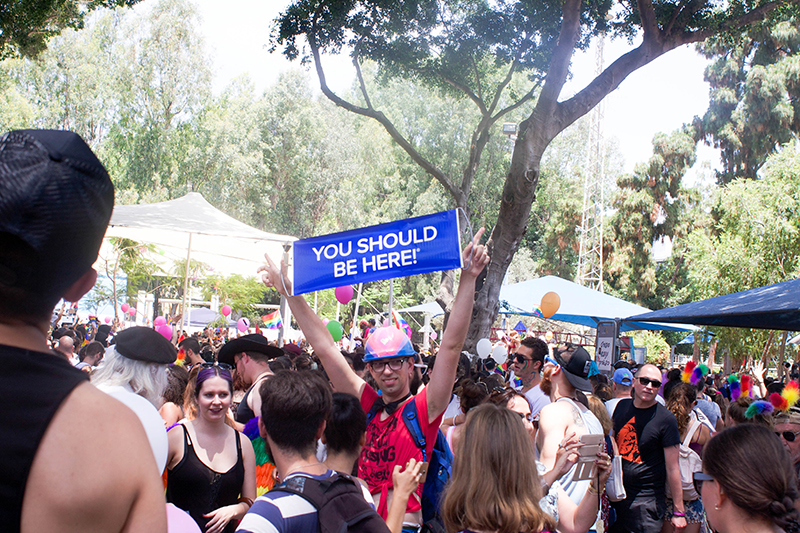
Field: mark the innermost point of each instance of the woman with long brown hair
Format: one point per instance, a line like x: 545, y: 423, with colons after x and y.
x: 748, y: 484
x: 496, y: 486
x: 681, y: 400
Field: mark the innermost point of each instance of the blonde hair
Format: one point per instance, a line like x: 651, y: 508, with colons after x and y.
x: 505, y: 496
x: 599, y: 410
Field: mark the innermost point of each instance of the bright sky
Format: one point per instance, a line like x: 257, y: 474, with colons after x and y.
x: 659, y: 97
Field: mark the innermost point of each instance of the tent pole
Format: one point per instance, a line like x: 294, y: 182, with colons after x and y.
x: 426, y: 333
x: 391, y: 301
x: 355, y: 318
x: 286, y: 314
x: 185, y: 312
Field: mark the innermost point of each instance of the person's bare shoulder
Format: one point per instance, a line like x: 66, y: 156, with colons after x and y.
x: 94, y: 471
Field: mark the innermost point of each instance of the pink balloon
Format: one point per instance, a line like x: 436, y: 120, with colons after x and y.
x: 242, y: 324
x: 124, y: 307
x: 179, y: 521
x: 166, y: 331
x: 325, y: 321
x: 343, y: 294
x: 434, y: 335
x: 107, y: 320
x: 131, y: 311
x: 226, y: 310
x: 159, y: 321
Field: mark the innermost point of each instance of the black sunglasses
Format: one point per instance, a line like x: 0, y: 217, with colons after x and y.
x: 647, y: 381
x: 789, y: 436
x: 519, y: 358
x: 699, y: 478
x: 222, y: 366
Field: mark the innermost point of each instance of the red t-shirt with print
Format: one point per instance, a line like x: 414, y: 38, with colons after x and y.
x: 389, y: 443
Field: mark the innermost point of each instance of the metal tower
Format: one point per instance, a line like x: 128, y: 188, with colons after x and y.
x: 590, y: 255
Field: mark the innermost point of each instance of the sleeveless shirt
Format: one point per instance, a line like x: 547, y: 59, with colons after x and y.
x: 198, y: 490
x: 34, y: 384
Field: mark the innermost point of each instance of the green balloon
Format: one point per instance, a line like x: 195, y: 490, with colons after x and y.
x: 336, y: 330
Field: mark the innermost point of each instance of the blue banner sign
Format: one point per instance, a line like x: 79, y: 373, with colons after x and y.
x: 403, y: 248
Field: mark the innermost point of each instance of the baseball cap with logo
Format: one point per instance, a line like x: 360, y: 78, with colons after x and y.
x: 576, y: 363
x: 623, y: 376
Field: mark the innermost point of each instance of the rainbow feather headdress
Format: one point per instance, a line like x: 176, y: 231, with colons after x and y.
x: 694, y: 373
x: 787, y: 398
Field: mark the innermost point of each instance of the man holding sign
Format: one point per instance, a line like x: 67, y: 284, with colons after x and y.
x: 391, y: 363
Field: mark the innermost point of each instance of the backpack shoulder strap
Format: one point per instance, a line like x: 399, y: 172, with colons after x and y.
x: 411, y: 420
x: 692, y: 429
x: 308, y: 488
x: 373, y: 411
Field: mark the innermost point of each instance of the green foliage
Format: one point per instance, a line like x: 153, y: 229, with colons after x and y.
x: 651, y: 204
x: 755, y: 93
x: 27, y: 25
x: 755, y: 241
x: 657, y: 348
x: 240, y: 293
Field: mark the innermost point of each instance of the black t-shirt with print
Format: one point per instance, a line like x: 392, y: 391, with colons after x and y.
x: 642, y: 435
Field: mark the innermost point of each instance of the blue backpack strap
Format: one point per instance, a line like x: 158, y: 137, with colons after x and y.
x: 373, y: 411
x: 411, y: 420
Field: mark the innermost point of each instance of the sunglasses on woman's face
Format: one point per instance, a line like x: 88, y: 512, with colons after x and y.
x: 699, y: 478
x: 222, y: 366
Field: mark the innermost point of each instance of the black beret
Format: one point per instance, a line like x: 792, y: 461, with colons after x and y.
x: 145, y: 344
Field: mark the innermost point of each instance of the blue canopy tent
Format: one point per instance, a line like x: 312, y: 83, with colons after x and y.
x: 772, y: 307
x: 579, y: 304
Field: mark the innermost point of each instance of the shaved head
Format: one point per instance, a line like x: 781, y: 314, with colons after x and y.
x: 649, y: 371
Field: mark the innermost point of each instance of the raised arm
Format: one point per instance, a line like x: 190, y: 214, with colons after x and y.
x: 441, y: 385
x: 339, y: 372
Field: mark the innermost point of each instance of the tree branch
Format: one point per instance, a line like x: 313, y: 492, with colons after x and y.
x: 426, y: 165
x: 361, y: 79
x: 649, y: 21
x: 675, y: 15
x: 464, y: 89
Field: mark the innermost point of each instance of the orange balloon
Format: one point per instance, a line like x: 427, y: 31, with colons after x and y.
x: 550, y: 304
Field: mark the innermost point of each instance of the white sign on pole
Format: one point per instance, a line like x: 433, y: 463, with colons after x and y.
x: 604, y: 347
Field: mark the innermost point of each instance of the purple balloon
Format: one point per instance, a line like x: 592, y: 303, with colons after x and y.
x: 159, y: 321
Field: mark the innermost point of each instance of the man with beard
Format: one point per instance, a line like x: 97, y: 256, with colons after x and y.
x: 527, y: 365
x: 250, y: 355
x: 565, y: 418
x: 648, y: 440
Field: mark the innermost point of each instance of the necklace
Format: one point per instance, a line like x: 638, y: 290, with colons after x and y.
x: 296, y: 469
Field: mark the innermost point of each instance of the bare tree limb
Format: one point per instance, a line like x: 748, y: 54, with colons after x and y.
x: 387, y: 124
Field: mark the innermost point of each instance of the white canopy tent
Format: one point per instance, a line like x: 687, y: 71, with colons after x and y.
x: 190, y: 228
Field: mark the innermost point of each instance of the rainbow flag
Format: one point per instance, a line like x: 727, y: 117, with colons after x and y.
x: 400, y: 323
x: 272, y: 320
x: 537, y: 311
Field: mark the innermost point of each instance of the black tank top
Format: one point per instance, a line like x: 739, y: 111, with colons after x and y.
x: 34, y: 386
x: 198, y: 490
x: 243, y: 412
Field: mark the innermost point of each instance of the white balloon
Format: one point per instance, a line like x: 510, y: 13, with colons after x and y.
x: 499, y: 353
x: 151, y: 421
x: 484, y: 348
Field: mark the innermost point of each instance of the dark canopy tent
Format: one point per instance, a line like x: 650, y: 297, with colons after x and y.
x: 772, y: 307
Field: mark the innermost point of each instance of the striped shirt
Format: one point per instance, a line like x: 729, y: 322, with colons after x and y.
x: 284, y: 512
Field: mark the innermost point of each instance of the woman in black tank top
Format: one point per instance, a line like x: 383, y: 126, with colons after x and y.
x: 211, y: 466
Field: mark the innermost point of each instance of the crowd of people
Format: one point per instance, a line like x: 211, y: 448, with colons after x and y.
x: 247, y: 436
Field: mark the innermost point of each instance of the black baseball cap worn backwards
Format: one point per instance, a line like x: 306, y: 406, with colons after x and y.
x: 576, y: 362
